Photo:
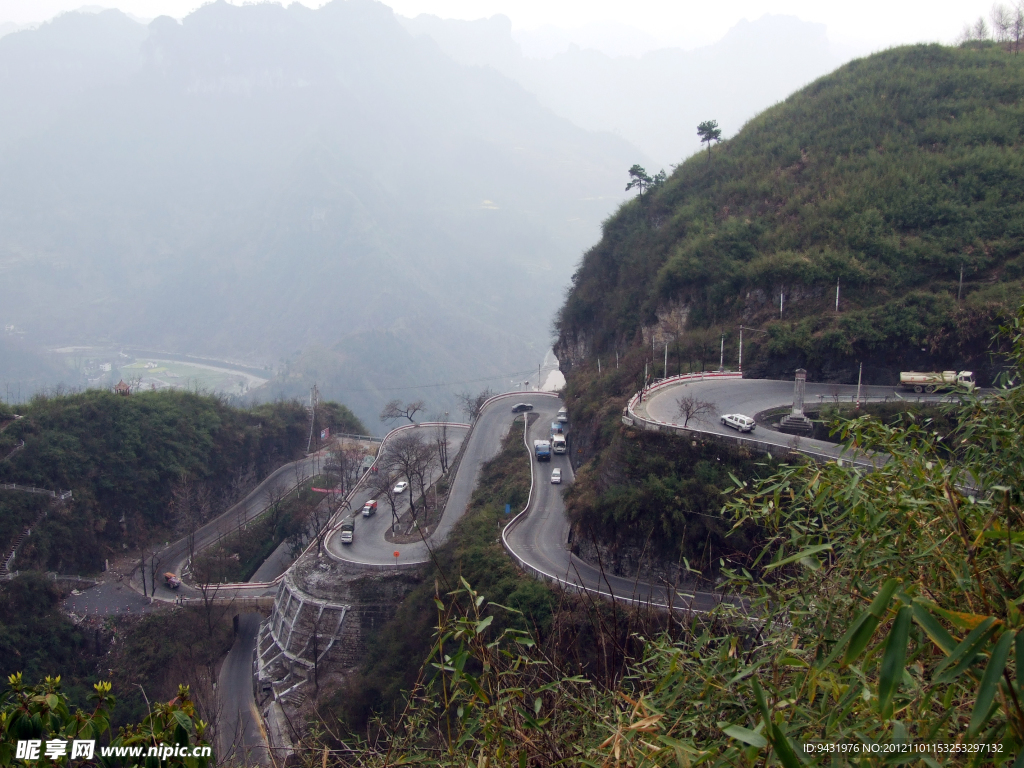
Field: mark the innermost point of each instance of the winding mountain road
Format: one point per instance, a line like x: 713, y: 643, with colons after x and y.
x: 537, y: 538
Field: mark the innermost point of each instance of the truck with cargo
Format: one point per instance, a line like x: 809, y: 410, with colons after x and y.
x: 542, y: 449
x: 558, y: 443
x: 932, y: 381
x: 348, y: 529
x: 557, y: 428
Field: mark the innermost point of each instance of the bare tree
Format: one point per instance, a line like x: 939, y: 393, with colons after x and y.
x: 320, y: 514
x: 395, y: 410
x: 192, y: 503
x: 346, y: 461
x: 314, y: 647
x: 1002, y: 23
x: 273, y: 496
x: 441, y: 441
x: 382, y: 485
x: 141, y: 539
x: 689, y: 407
x: 155, y: 562
x: 1007, y: 25
x: 196, y: 666
x: 243, y: 480
x: 409, y: 457
x: 424, y: 469
x: 471, y: 404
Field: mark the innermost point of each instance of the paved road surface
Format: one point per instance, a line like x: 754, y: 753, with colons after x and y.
x: 369, y: 547
x: 541, y: 537
x: 174, y: 557
x: 750, y: 396
x: 240, y: 741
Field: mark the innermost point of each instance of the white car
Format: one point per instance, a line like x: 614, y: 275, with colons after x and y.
x: 556, y: 475
x: 738, y: 421
x: 400, y: 487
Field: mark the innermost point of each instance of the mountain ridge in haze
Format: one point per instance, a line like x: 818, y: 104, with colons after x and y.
x: 258, y: 181
x: 656, y: 100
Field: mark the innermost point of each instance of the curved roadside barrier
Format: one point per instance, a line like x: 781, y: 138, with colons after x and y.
x: 561, y: 581
x: 631, y: 418
x: 335, y: 523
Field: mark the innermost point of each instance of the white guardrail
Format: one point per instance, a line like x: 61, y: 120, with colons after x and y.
x: 630, y: 418
x: 564, y: 583
x: 551, y: 578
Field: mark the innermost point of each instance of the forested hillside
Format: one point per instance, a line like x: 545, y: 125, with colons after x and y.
x: 123, y: 456
x: 887, y: 177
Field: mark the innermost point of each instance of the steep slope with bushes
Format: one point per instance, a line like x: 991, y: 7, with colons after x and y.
x: 887, y: 177
x: 123, y: 456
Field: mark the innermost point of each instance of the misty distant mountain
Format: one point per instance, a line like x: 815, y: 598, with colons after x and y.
x: 655, y: 100
x: 312, y: 187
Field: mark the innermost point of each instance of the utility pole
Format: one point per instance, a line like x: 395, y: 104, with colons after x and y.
x: 837, y: 296
x: 960, y: 290
x: 616, y: 359
x: 314, y: 398
x: 721, y: 357
x: 742, y: 328
x: 666, y: 361
x: 538, y: 389
x: 860, y: 373
x: 782, y: 297
x: 599, y: 366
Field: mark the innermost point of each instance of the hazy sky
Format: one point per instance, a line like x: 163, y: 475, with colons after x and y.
x: 864, y: 24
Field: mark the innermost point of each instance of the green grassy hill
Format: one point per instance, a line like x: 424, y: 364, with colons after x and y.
x: 123, y: 457
x: 888, y: 176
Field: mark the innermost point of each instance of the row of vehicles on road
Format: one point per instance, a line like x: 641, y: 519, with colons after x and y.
x: 347, y: 531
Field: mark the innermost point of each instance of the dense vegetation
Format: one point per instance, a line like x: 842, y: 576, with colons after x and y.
x: 645, y: 502
x: 238, y: 555
x: 35, y: 638
x: 661, y: 496
x: 473, y: 551
x: 884, y: 612
x: 122, y: 456
x: 889, y: 176
x: 44, y: 713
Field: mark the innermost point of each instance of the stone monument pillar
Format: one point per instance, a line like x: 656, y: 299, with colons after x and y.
x: 799, y: 387
x: 796, y: 423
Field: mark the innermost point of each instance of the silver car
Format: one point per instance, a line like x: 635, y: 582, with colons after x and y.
x: 738, y: 421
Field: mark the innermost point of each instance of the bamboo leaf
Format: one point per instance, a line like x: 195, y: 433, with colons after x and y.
x: 893, y: 660
x: 990, y: 683
x: 935, y: 631
x: 1018, y: 655
x: 745, y: 735
x: 860, y: 639
x: 783, y: 748
x: 964, y: 654
x: 799, y: 556
x: 761, y: 703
